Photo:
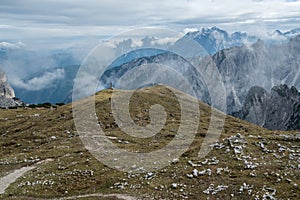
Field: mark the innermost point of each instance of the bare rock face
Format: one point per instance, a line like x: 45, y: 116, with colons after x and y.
x: 278, y: 110
x: 257, y: 65
x: 5, y: 89
x: 7, y: 94
x: 252, y: 110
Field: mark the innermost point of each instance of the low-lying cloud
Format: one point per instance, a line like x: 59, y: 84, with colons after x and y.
x: 8, y: 45
x: 40, y: 82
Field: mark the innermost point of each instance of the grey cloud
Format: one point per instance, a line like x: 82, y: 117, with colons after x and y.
x: 35, y: 20
x: 76, y: 12
x: 113, y: 12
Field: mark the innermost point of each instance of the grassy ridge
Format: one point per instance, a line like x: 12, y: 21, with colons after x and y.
x: 248, y: 161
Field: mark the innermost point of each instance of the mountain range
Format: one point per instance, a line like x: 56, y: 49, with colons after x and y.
x: 285, y: 35
x: 241, y: 68
x: 215, y: 39
x: 242, y: 60
x: 211, y: 39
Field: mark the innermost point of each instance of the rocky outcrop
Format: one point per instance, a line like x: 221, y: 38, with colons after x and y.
x: 5, y: 89
x: 277, y: 110
x: 7, y: 94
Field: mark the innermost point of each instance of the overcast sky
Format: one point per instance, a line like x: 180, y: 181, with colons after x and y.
x: 58, y: 21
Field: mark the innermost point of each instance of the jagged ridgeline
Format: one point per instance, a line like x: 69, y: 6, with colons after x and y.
x: 247, y: 162
x: 258, y: 65
x: 277, y: 110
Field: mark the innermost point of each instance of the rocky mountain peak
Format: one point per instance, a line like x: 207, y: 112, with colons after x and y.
x: 5, y: 90
x: 255, y: 94
x: 7, y: 94
x: 285, y: 92
x: 260, y: 44
x: 215, y: 39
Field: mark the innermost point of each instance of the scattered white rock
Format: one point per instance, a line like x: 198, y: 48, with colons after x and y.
x: 237, y: 139
x: 123, y: 141
x: 193, y: 164
x: 246, y: 187
x: 174, y: 185
x: 264, y: 148
x: 195, y: 172
x: 253, y: 174
x: 250, y: 165
x: 149, y: 175
x: 217, y: 145
x: 190, y: 175
x: 227, y: 150
x: 238, y: 149
x: 214, y: 190
x: 204, y: 162
x: 121, y: 186
x: 53, y: 137
x: 213, y: 161
x: 206, y: 171
x: 269, y: 193
x: 219, y: 170
x: 295, y: 185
